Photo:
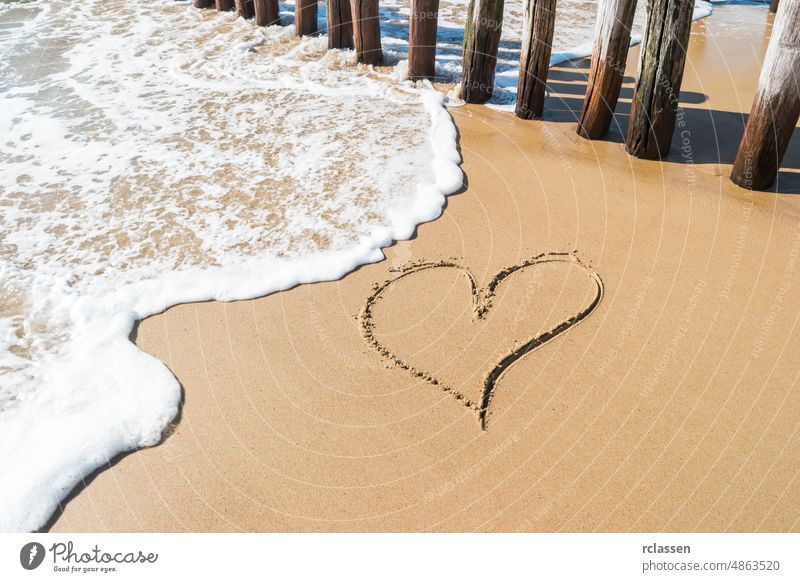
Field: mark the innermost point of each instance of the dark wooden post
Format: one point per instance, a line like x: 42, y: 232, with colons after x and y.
x: 367, y: 31
x: 658, y: 82
x: 534, y: 59
x: 203, y: 3
x: 422, y: 39
x: 481, y: 39
x: 266, y: 12
x: 244, y: 8
x: 305, y: 17
x: 340, y: 25
x: 224, y: 5
x: 773, y: 6
x: 610, y: 54
x: 776, y: 107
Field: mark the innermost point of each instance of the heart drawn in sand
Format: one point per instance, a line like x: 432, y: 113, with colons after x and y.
x: 424, y: 317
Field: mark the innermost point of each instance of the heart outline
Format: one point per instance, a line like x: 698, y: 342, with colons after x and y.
x: 482, y: 304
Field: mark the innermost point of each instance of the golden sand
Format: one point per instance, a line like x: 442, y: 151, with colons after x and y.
x: 672, y: 405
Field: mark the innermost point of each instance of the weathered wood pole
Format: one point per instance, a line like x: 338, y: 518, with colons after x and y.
x: 266, y: 12
x: 305, y: 17
x: 773, y: 6
x: 534, y: 60
x: 658, y: 82
x: 340, y: 25
x: 776, y: 107
x: 422, y: 39
x: 224, y: 5
x: 367, y: 31
x: 611, y: 44
x: 481, y: 39
x: 244, y: 8
x: 202, y: 3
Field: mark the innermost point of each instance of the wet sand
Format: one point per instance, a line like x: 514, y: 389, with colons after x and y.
x: 672, y: 404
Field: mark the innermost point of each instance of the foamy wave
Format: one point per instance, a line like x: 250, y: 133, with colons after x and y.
x: 155, y: 154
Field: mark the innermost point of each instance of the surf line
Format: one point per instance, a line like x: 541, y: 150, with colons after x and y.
x: 482, y: 303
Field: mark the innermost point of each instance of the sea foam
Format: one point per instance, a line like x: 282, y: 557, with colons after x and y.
x: 154, y: 154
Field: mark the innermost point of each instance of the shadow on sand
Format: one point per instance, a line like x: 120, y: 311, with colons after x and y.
x: 710, y: 136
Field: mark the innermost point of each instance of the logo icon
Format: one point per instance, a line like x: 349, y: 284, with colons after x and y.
x: 31, y: 555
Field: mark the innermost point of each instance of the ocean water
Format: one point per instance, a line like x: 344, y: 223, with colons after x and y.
x: 573, y: 37
x: 154, y: 154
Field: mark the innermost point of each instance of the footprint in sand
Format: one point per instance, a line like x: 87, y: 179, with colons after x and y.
x: 433, y: 320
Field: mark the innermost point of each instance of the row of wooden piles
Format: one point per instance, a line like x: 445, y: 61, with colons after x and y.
x: 352, y: 24
x: 355, y: 24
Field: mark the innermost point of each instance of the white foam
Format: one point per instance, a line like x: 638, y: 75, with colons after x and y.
x: 174, y: 155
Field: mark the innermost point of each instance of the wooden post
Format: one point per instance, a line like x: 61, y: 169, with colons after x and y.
x: 773, y: 6
x: 224, y: 5
x: 203, y: 3
x: 610, y: 54
x: 305, y: 17
x: 244, y: 8
x: 422, y: 39
x: 266, y: 12
x: 776, y: 107
x: 340, y: 25
x: 481, y: 39
x: 367, y: 31
x: 658, y: 82
x: 534, y: 59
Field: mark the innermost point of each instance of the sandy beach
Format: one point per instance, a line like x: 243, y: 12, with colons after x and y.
x: 667, y: 398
